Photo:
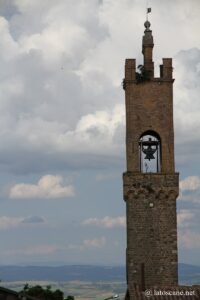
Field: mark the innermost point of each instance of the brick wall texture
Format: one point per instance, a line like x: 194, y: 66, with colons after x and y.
x: 150, y: 197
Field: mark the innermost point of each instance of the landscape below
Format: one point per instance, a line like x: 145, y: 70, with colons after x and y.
x: 82, y: 281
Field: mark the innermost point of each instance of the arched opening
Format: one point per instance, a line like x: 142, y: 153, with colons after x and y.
x: 150, y: 152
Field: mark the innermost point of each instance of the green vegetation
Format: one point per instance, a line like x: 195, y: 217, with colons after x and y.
x: 81, y: 290
x: 142, y: 75
x: 44, y: 293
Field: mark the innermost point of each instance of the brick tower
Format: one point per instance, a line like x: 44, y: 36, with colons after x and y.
x: 150, y: 183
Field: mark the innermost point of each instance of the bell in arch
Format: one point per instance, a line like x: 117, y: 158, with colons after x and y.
x: 149, y: 149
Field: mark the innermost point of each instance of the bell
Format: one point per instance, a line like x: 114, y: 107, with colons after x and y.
x: 149, y: 151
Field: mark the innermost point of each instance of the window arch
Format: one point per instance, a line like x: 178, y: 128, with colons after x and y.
x: 150, y: 152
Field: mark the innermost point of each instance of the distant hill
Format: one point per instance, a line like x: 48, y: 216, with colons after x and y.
x: 62, y: 273
x: 188, y: 274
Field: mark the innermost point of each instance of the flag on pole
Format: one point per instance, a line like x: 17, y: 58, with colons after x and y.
x: 148, y: 10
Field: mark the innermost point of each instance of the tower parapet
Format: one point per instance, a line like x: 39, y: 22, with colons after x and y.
x: 146, y: 71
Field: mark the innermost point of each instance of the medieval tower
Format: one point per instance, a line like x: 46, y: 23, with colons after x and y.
x: 150, y: 182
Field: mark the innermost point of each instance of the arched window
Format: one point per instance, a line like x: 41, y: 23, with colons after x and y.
x: 150, y: 152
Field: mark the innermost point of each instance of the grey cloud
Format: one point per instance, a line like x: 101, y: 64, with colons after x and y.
x: 52, y: 89
x: 8, y: 8
x: 62, y: 105
x: 49, y: 97
x: 187, y: 106
x: 33, y: 220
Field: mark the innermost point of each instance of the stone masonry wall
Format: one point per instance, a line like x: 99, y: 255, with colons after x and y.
x: 149, y: 106
x: 151, y: 228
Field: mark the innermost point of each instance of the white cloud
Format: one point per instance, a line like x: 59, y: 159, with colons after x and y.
x: 58, y: 39
x: 107, y: 222
x: 48, y: 249
x: 190, y: 189
x: 60, y: 79
x: 187, y: 106
x: 34, y: 250
x: 106, y: 176
x: 9, y: 222
x: 96, y: 132
x: 94, y: 243
x: 62, y: 63
x: 16, y: 222
x: 89, y: 244
x: 33, y: 220
x: 184, y: 217
x: 190, y: 183
x: 9, y: 48
x: 48, y: 187
x: 189, y: 239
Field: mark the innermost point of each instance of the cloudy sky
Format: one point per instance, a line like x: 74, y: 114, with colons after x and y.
x: 62, y: 120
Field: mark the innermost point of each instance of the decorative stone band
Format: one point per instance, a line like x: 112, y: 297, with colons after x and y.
x: 159, y: 184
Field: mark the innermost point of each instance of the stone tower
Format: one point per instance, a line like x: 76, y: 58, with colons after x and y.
x: 151, y: 185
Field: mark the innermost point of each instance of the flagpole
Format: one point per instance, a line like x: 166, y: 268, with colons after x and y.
x: 147, y: 10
